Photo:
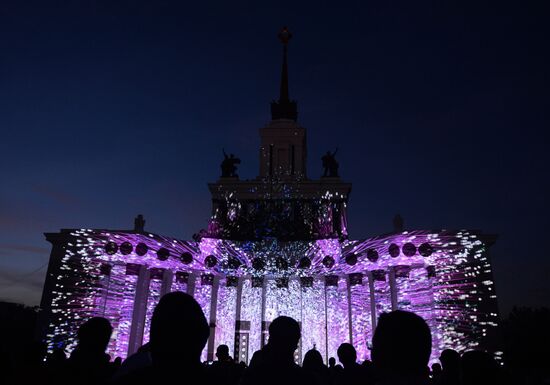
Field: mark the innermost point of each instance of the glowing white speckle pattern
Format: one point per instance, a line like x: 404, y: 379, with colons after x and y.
x: 225, y: 316
x: 338, y: 327
x: 313, y: 318
x: 252, y: 311
x: 450, y: 285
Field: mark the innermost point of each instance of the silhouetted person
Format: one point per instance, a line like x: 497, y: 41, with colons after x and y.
x: 401, y: 348
x: 436, y: 373
x: 353, y: 373
x: 88, y: 363
x: 222, y: 354
x: 335, y: 370
x: 56, y: 363
x: 479, y: 368
x: 313, y: 364
x: 224, y: 370
x: 179, y: 332
x: 368, y: 370
x: 450, y: 363
x: 139, y: 360
x: 274, y: 364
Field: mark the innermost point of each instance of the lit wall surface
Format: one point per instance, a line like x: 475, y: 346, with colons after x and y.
x: 443, y: 276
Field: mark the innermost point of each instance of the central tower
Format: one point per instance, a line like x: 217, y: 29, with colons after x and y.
x: 283, y: 140
x: 281, y: 202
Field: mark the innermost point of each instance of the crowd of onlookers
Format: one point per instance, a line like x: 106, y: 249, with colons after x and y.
x: 401, y: 348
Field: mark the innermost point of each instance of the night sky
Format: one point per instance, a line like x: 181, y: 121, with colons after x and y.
x: 439, y: 111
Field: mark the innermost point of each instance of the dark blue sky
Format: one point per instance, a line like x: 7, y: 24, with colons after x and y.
x: 439, y: 111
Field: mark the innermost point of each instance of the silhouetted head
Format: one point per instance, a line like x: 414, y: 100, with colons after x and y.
x: 284, y: 334
x: 347, y: 354
x: 478, y: 368
x: 312, y: 360
x: 450, y: 360
x: 436, y: 369
x: 401, y: 344
x: 222, y: 352
x: 94, y: 334
x: 332, y: 362
x: 179, y: 329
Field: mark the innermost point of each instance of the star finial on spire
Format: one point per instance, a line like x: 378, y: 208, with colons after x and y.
x: 284, y: 35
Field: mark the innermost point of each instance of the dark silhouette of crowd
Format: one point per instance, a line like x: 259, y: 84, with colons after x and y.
x: 401, y: 348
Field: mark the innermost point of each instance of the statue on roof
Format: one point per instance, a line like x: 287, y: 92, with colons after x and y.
x: 139, y: 223
x: 330, y: 165
x: 229, y: 165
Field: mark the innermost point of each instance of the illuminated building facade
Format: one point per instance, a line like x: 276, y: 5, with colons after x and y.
x: 274, y: 245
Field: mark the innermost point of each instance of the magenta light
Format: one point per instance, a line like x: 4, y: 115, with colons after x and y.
x: 449, y: 288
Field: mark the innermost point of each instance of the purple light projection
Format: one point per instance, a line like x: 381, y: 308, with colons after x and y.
x: 251, y: 310
x: 337, y: 315
x: 155, y: 287
x: 361, y: 315
x: 451, y: 287
x: 203, y: 295
x: 114, y: 290
x: 226, y: 315
x: 313, y: 317
x: 126, y: 312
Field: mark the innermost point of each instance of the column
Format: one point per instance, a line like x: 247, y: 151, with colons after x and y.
x: 360, y: 305
x: 393, y: 287
x: 130, y: 275
x: 337, y: 310
x: 140, y: 306
x: 156, y: 283
x: 113, y: 306
x: 227, y: 312
x: 203, y: 295
x: 372, y: 300
x: 167, y: 280
x: 213, y: 311
x: 251, y: 311
x: 313, y: 316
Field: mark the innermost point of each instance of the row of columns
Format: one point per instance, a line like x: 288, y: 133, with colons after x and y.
x: 242, y: 327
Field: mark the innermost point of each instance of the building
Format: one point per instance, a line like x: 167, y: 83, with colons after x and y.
x: 275, y: 245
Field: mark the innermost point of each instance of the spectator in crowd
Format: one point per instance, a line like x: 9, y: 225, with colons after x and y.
x: 274, y: 364
x: 179, y: 332
x: 450, y: 364
x: 88, y: 363
x: 139, y: 360
x: 353, y: 373
x: 315, y: 368
x: 224, y: 370
x: 436, y: 373
x: 479, y: 368
x: 402, y: 345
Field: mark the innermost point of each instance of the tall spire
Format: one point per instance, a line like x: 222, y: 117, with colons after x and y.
x: 284, y: 108
x: 285, y: 37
